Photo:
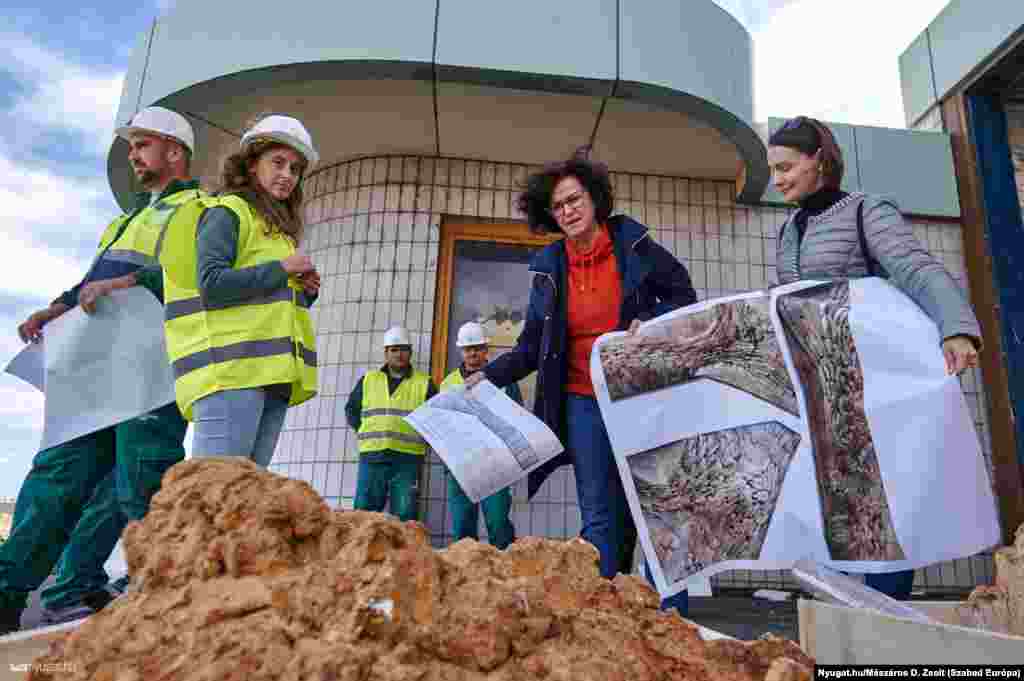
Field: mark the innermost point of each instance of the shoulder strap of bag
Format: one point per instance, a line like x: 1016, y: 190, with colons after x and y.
x: 868, y: 260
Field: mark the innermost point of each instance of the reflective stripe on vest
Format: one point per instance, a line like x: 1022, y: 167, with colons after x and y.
x: 130, y: 257
x: 140, y: 243
x: 382, y: 425
x: 242, y: 350
x: 264, y: 340
x: 187, y: 306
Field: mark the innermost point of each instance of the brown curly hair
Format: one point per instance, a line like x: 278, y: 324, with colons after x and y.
x: 283, y: 216
x: 535, y: 199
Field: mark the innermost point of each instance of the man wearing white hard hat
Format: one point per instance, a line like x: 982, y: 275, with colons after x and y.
x: 475, y: 348
x: 391, y: 452
x: 79, y: 495
x: 238, y: 293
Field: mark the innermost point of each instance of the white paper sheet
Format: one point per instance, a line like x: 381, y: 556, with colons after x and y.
x: 106, y: 368
x: 28, y: 366
x: 485, y: 439
x: 720, y: 463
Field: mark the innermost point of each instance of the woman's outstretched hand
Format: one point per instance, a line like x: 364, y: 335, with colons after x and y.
x: 960, y: 354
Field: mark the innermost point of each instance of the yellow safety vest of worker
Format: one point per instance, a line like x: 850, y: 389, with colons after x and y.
x: 452, y: 380
x: 142, y: 240
x: 381, y: 424
x: 256, y: 342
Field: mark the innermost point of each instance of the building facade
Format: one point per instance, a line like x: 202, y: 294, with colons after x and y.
x: 964, y: 76
x: 429, y: 120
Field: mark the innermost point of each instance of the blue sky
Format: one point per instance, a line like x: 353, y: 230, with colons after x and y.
x: 61, y: 72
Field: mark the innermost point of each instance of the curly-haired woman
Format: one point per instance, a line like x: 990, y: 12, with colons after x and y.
x: 607, y: 274
x: 238, y: 295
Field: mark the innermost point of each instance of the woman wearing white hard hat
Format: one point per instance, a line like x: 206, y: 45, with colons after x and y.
x: 238, y: 294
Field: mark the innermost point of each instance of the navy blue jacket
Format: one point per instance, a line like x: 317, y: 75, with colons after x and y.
x: 653, y: 282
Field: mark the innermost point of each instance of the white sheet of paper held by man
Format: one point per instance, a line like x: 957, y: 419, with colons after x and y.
x: 485, y: 439
x: 814, y: 420
x: 28, y: 366
x: 106, y: 368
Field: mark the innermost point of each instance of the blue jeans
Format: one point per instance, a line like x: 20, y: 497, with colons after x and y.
x: 244, y: 422
x: 603, y: 508
x: 896, y: 585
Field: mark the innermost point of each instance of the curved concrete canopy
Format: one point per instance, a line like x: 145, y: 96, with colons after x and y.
x: 661, y: 88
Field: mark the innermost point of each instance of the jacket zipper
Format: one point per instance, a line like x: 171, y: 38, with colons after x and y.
x: 547, y: 317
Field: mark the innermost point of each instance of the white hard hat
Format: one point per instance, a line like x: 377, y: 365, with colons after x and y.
x: 160, y: 121
x: 470, y: 333
x: 396, y: 335
x: 286, y: 130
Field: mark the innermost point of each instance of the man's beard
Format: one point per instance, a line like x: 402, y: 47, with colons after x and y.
x: 146, y: 177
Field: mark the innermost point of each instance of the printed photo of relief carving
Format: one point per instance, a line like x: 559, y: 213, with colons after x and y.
x: 855, y: 508
x: 710, y: 498
x: 732, y: 343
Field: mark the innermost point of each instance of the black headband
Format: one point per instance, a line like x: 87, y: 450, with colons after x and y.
x: 798, y: 134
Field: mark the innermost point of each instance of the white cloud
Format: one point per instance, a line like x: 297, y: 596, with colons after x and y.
x: 835, y: 60
x: 62, y: 95
x: 49, y: 222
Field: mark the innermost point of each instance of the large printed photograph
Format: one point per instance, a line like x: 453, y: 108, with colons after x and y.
x: 815, y: 420
x: 710, y: 498
x: 855, y: 508
x: 732, y: 343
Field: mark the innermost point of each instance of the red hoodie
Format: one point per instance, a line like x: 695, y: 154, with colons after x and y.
x: 595, y: 299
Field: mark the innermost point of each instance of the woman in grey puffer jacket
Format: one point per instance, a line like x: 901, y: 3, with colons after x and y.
x: 822, y: 241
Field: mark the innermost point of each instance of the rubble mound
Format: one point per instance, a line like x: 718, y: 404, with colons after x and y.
x: 238, y: 573
x: 1000, y: 607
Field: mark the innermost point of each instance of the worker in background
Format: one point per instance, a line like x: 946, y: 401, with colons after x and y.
x: 79, y: 495
x: 239, y: 333
x: 390, y: 451
x: 475, y: 349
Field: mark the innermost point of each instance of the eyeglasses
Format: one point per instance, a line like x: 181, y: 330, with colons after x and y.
x: 575, y: 202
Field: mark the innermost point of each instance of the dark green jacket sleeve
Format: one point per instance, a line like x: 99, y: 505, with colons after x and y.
x: 354, y: 406
x: 220, y: 283
x: 513, y: 391
x: 151, y: 277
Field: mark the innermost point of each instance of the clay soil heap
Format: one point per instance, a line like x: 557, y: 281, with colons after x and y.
x: 1000, y: 607
x: 238, y: 573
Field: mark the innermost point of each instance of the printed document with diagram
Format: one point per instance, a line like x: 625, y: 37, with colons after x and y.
x: 102, y: 369
x: 485, y: 439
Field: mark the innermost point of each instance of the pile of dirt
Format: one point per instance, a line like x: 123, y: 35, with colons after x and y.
x: 1000, y: 607
x: 238, y: 573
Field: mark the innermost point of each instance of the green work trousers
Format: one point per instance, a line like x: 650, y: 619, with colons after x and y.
x: 77, y: 499
x: 393, y: 475
x: 465, y: 514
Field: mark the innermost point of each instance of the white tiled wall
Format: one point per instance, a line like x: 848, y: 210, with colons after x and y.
x: 373, y: 230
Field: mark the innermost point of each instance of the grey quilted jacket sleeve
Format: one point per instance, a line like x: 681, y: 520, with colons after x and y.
x: 915, y: 271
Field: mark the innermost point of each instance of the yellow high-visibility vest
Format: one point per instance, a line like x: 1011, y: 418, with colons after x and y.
x: 259, y: 341
x: 142, y: 239
x: 452, y: 380
x: 381, y: 425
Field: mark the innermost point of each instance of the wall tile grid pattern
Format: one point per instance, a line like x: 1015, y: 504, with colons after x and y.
x: 373, y: 231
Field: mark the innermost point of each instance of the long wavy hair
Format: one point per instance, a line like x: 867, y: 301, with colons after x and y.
x: 236, y: 178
